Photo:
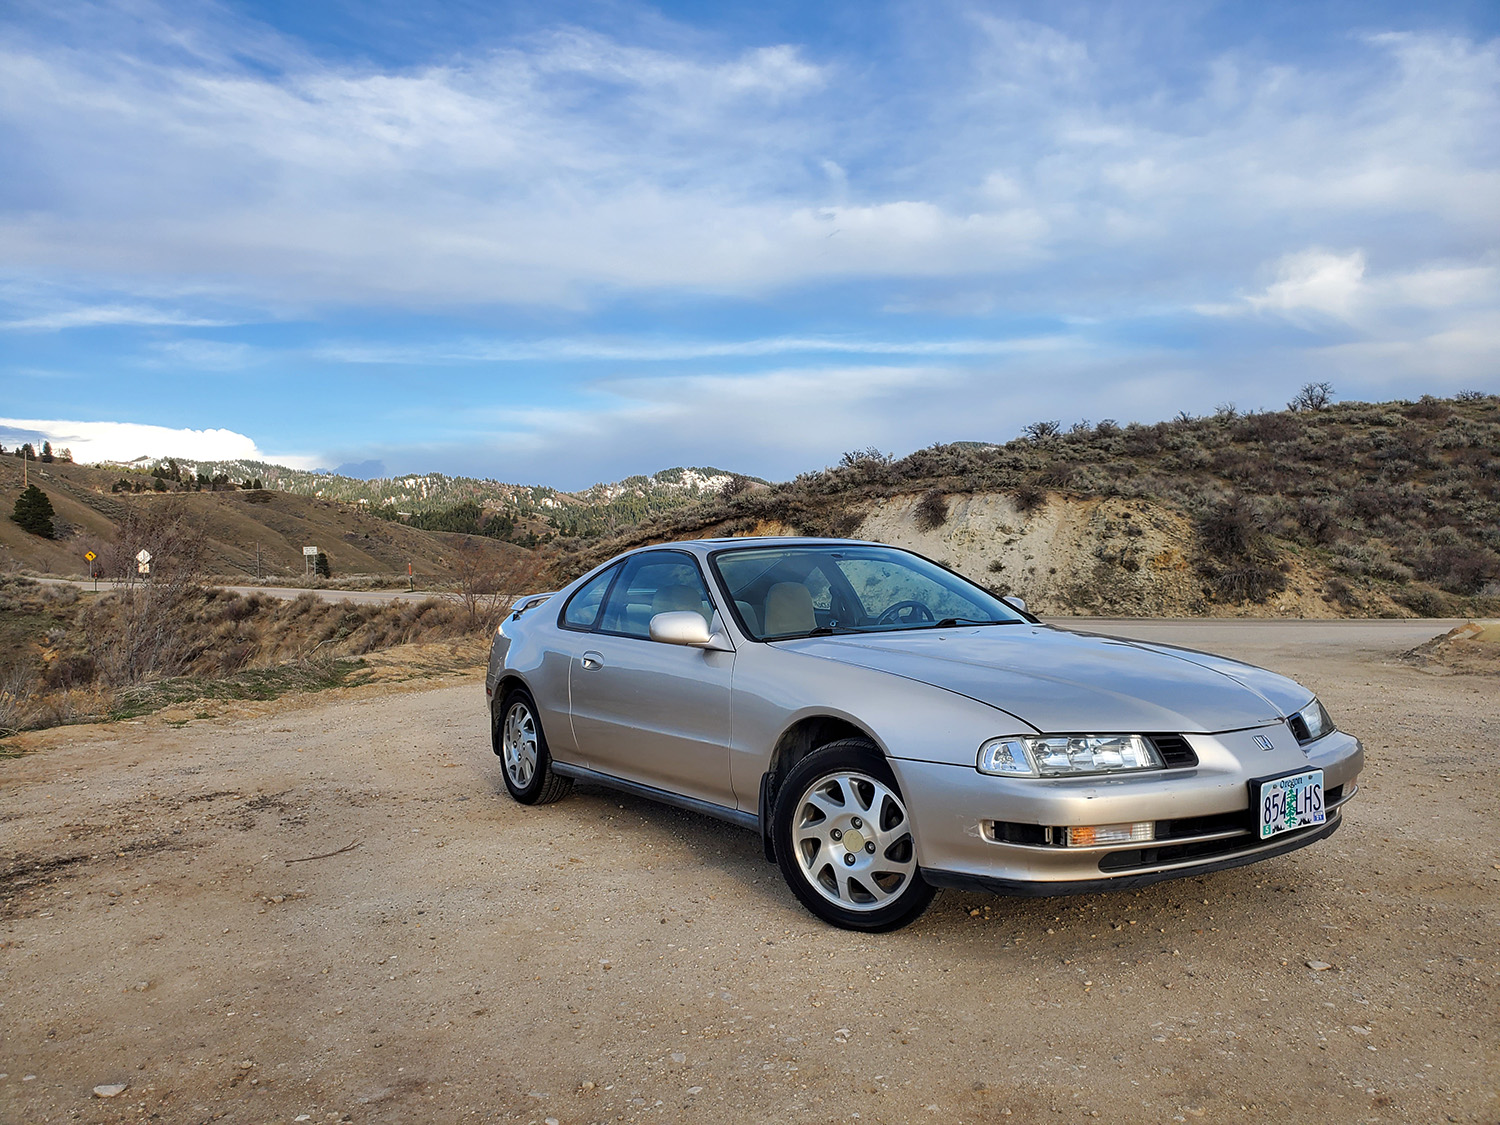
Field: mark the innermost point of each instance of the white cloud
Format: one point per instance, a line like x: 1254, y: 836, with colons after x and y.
x: 1315, y: 280
x: 128, y: 441
x: 1339, y: 286
x: 102, y: 316
x: 506, y: 351
x: 553, y: 169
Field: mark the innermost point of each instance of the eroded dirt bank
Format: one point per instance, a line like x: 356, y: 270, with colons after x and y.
x: 605, y: 959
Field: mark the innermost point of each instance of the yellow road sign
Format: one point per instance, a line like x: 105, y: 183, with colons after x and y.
x: 90, y: 555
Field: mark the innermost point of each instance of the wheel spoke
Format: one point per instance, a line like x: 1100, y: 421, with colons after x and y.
x: 824, y: 805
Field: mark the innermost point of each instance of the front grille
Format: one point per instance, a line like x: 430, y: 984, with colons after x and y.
x: 1174, y: 750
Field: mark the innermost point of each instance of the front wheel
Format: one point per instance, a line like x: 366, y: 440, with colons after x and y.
x: 523, y: 753
x: 844, y: 841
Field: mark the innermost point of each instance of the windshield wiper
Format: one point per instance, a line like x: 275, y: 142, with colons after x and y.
x: 947, y: 622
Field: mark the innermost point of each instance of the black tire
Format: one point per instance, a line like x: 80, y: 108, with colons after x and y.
x: 841, y: 791
x: 525, y: 764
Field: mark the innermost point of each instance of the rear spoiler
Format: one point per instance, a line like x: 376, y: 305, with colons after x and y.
x: 528, y: 601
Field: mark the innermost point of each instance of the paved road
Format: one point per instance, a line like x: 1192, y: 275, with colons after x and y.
x: 1268, y: 641
x: 285, y: 592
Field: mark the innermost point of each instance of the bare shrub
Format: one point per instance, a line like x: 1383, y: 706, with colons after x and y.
x: 144, y: 631
x: 16, y: 686
x: 1470, y: 396
x: 832, y: 522
x: 1312, y: 396
x: 736, y: 485
x: 1252, y: 582
x: 1423, y: 602
x: 488, y: 578
x: 1029, y: 498
x: 1230, y: 530
x: 1040, y: 432
x: 1429, y: 409
x: 932, y: 510
x: 1459, y: 570
x: 1342, y: 593
x: 1236, y: 555
x: 869, y: 455
x: 1267, y: 428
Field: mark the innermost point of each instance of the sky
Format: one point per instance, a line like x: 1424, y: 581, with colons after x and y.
x: 565, y: 242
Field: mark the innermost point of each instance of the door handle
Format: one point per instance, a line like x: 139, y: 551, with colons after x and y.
x: 592, y: 661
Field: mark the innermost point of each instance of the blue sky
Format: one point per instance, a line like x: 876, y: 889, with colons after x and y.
x: 565, y: 242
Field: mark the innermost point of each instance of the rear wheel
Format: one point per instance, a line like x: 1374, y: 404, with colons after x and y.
x: 844, y: 841
x: 524, y: 759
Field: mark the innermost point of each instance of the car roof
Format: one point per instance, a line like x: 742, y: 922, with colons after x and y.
x: 704, y: 546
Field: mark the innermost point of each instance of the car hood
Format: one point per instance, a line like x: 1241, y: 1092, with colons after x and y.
x: 1057, y: 681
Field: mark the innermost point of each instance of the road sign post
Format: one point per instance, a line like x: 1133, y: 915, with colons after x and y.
x: 309, y: 558
x: 143, y: 563
x: 93, y: 570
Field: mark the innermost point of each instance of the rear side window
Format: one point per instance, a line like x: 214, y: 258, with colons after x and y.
x: 582, y: 609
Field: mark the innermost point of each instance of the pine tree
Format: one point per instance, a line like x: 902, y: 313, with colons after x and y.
x: 320, y: 566
x: 47, y: 452
x: 34, y: 512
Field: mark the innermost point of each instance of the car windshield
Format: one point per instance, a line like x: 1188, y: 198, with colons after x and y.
x: 799, y: 591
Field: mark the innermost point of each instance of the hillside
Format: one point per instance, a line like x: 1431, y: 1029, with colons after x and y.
x: 249, y: 533
x: 1356, y: 509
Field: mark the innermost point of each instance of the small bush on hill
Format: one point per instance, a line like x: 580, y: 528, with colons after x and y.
x: 932, y: 510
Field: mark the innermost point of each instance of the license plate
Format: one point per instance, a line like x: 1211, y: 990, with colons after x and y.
x: 1287, y: 803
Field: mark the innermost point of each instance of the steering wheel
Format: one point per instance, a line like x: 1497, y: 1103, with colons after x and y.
x: 917, y: 611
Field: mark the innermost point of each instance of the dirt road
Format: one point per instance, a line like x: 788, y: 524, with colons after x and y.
x: 166, y: 926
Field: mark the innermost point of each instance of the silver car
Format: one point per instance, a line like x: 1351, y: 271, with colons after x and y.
x: 889, y: 727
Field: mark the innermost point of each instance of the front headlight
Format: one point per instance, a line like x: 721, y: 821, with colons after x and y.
x: 1068, y: 755
x: 1311, y: 723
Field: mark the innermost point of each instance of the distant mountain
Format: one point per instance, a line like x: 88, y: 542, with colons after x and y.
x: 534, y: 512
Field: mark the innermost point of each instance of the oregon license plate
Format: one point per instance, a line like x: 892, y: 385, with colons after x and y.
x: 1288, y: 803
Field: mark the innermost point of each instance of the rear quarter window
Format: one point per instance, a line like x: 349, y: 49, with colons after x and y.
x: 582, y: 609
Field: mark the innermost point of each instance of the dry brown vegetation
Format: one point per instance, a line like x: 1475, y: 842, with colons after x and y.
x: 1383, y: 503
x: 71, y: 657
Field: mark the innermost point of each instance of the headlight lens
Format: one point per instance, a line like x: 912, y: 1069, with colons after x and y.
x: 1311, y: 723
x: 1068, y: 755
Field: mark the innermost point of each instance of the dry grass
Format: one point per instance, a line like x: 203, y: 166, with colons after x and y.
x: 67, y: 659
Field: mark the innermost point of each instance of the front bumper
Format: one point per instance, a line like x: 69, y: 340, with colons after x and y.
x: 971, y: 828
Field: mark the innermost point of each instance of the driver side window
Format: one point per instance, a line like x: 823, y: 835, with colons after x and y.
x: 652, y: 583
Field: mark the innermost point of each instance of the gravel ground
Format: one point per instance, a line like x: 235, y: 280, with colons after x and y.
x: 165, y: 925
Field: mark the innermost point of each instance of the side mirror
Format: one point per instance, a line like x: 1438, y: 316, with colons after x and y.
x: 683, y: 627
x: 1012, y: 600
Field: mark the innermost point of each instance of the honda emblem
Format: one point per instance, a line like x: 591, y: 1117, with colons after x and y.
x: 1263, y: 742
